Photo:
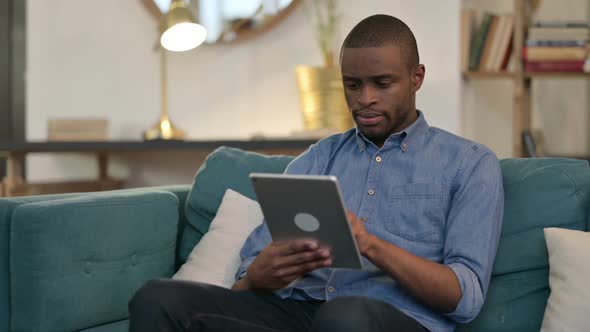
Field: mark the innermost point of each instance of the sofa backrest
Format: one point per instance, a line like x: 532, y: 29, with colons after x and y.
x: 225, y: 168
x: 539, y: 193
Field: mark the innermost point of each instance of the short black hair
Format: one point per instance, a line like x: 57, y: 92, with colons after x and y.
x: 383, y: 30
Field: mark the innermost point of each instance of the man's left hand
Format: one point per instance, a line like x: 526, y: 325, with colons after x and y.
x: 364, y: 240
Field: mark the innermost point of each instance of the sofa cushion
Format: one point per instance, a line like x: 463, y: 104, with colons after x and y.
x: 539, y: 193
x: 515, y: 302
x: 569, y: 272
x: 216, y: 258
x: 76, y: 262
x: 225, y: 168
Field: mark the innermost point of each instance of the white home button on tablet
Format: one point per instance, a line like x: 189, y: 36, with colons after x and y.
x: 306, y: 222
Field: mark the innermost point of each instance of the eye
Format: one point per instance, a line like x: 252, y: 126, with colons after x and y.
x: 351, y: 85
x: 383, y: 84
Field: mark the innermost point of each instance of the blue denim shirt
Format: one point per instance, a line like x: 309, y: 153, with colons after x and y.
x: 427, y: 191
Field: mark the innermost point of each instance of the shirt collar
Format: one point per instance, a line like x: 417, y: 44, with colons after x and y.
x: 408, y: 135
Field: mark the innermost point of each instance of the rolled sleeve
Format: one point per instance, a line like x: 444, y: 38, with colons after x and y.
x: 255, y: 243
x: 472, y: 298
x: 244, y: 267
x: 473, y: 229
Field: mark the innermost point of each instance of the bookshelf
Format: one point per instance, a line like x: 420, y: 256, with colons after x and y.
x: 520, y: 77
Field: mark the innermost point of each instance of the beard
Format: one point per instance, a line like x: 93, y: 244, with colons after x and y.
x: 377, y: 126
x: 376, y: 133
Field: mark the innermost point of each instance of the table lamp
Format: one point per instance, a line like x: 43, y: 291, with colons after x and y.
x: 179, y: 33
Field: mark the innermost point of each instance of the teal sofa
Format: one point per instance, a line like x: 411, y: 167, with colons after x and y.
x: 71, y: 262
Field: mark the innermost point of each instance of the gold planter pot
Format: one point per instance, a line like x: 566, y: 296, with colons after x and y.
x: 322, y: 98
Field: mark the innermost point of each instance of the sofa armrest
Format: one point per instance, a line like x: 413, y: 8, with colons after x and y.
x: 76, y: 262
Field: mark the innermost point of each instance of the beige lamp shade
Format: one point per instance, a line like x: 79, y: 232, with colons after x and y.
x: 180, y: 32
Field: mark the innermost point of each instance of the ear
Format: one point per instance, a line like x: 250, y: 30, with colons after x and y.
x: 418, y: 74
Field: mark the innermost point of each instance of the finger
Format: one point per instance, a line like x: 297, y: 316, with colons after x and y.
x: 301, y: 258
x: 302, y: 269
x: 356, y: 224
x: 350, y: 215
x: 295, y: 246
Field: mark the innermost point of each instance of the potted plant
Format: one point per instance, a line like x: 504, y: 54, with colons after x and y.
x: 320, y: 87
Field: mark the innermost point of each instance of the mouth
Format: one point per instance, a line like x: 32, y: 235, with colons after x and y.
x: 368, y: 119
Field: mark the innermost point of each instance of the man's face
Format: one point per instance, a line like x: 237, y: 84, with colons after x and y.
x: 380, y: 90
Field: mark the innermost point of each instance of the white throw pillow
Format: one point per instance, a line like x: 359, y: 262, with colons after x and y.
x: 568, y: 308
x: 216, y: 258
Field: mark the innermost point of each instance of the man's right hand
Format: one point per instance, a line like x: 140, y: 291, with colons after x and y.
x: 282, y: 262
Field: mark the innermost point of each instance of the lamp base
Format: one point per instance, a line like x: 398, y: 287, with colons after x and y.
x: 165, y: 130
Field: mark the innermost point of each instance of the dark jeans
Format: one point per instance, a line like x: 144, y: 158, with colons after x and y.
x: 173, y: 305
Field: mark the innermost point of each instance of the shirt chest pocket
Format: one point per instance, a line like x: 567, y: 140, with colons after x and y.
x: 415, y: 211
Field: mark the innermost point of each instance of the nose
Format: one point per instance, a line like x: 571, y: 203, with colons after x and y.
x: 367, y: 96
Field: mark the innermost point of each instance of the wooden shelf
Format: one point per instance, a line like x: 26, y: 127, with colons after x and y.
x: 475, y: 75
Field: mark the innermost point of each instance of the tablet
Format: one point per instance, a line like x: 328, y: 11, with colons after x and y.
x: 307, y: 206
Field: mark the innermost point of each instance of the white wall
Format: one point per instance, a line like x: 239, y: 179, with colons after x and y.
x: 96, y: 59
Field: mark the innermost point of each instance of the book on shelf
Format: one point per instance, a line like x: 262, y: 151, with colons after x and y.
x: 539, y: 33
x: 478, y: 41
x: 556, y: 43
x: 77, y: 129
x: 490, y: 43
x: 503, y: 50
x: 486, y: 41
x: 509, y: 60
x: 553, y: 66
x: 533, y: 142
x: 468, y: 19
x: 529, y: 144
x: 548, y: 53
x: 560, y: 24
x: 556, y: 46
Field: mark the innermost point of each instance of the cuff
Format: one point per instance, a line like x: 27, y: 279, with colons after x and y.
x: 472, y: 296
x: 244, y: 268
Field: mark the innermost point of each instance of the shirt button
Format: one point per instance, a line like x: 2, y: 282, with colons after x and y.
x: 363, y: 219
x: 371, y: 192
x: 404, y: 147
x: 378, y: 159
x: 331, y: 289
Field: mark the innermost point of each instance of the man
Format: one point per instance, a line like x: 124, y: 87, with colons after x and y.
x: 425, y: 207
